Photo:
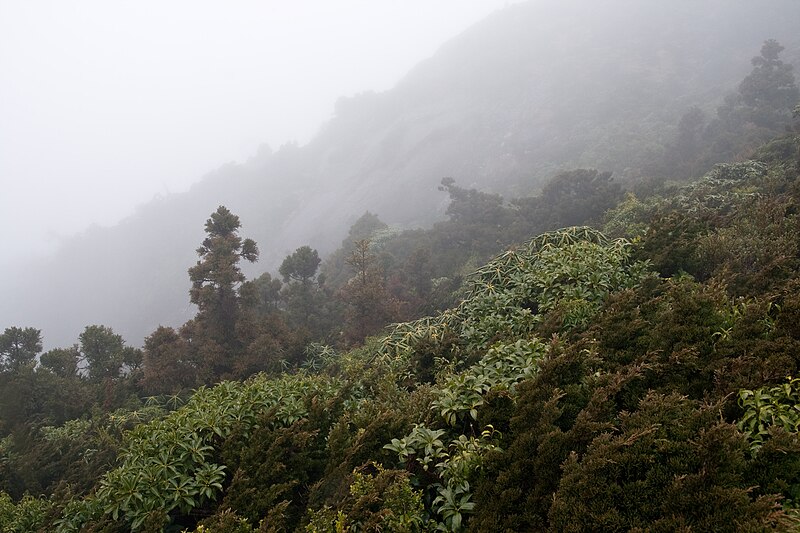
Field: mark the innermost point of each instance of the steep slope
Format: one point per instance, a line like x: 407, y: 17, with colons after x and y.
x: 579, y: 386
x: 536, y: 87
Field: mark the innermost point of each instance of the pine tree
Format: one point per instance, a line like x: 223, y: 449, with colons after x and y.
x: 18, y: 347
x: 769, y: 91
x: 216, y: 277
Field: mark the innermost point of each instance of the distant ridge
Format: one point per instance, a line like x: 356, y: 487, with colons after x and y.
x: 534, y: 88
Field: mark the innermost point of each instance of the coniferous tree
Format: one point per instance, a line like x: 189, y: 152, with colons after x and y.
x: 62, y: 362
x: 335, y: 270
x: 216, y: 276
x: 298, y: 271
x: 168, y: 366
x: 370, y: 307
x: 262, y: 295
x: 764, y: 99
x: 109, y: 361
x: 19, y: 347
x: 301, y: 265
x: 106, y: 354
x: 769, y: 92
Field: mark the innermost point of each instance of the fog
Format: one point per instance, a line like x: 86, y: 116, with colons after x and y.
x: 104, y: 105
x: 118, y: 122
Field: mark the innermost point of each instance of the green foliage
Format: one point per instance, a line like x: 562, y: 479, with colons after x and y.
x: 63, y: 362
x: 574, y: 268
x: 326, y: 520
x: 625, y: 418
x: 19, y: 347
x: 70, y: 431
x: 224, y: 522
x: 384, y: 500
x: 570, y: 271
x: 106, y: 354
x: 737, y: 225
x: 453, y: 466
x: 369, y: 306
x: 767, y: 408
x: 168, y: 363
x: 76, y: 514
x: 376, y: 410
x: 759, y: 110
x: 28, y: 514
x: 670, y: 465
x: 262, y: 293
x: 44, y: 459
x: 581, y: 456
x: 168, y: 466
x: 453, y: 503
x: 769, y: 92
x: 576, y: 197
x: 503, y: 366
x: 628, y: 219
x: 335, y: 269
x: 271, y: 471
x: 216, y: 277
x: 303, y: 296
x: 301, y: 265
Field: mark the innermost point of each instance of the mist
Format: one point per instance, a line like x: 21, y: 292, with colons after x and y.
x: 105, y: 105
x: 327, y: 266
x: 122, y: 131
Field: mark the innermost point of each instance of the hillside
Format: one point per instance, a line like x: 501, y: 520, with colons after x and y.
x: 639, y: 377
x: 536, y: 88
x: 595, y: 353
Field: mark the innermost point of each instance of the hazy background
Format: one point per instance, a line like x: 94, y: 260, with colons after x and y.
x: 127, y: 114
x: 104, y: 105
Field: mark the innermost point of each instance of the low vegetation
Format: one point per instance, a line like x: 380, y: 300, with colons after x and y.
x: 629, y: 362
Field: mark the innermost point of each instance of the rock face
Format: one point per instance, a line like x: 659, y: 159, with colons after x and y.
x: 535, y: 88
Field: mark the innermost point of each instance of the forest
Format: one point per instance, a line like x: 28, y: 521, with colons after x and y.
x: 599, y: 356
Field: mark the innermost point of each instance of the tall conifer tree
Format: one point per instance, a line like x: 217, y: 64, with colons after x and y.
x: 216, y: 277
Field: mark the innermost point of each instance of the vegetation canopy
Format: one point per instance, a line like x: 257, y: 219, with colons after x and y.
x: 589, y: 358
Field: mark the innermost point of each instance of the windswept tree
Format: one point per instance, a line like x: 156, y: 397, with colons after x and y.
x: 217, y: 277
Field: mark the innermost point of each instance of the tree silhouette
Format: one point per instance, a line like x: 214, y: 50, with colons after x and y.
x: 370, y: 307
x: 216, y: 276
x: 766, y: 96
x: 769, y: 90
x: 18, y: 347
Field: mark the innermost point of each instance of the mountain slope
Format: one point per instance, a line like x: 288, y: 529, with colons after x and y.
x: 535, y: 88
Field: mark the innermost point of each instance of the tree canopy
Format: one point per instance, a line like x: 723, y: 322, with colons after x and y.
x: 637, y: 370
x: 217, y: 276
x: 19, y: 347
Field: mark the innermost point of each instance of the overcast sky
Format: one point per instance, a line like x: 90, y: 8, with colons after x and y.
x: 105, y: 104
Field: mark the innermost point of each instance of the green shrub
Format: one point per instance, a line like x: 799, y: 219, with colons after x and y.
x: 28, y: 514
